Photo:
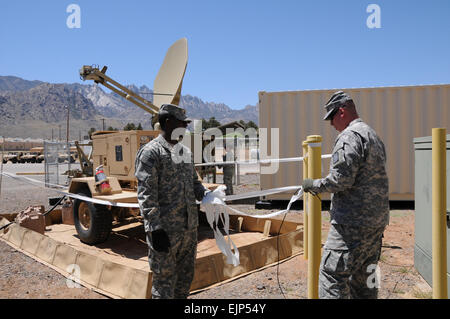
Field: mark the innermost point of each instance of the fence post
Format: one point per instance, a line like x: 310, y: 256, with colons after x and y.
x: 314, y: 217
x: 305, y: 201
x: 439, y: 213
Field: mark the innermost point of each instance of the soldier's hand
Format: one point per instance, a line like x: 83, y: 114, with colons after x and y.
x: 160, y: 241
x: 307, y: 185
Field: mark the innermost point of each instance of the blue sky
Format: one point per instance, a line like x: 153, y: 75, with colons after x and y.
x: 236, y: 48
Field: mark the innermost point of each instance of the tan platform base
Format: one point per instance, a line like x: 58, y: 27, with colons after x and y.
x: 119, y: 267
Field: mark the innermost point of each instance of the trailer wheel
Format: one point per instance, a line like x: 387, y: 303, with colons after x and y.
x: 14, y: 160
x: 92, y: 222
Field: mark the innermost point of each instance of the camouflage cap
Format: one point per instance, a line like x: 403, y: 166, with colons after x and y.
x: 337, y: 100
x: 174, y: 110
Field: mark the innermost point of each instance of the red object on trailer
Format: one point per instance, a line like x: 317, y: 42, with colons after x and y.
x: 102, y: 180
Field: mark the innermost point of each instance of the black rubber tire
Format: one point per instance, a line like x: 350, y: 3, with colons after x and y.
x: 33, y: 160
x: 100, y: 222
x: 14, y: 161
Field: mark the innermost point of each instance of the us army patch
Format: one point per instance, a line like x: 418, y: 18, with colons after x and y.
x: 338, y: 157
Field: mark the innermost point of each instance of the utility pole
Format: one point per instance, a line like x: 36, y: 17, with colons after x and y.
x: 59, y: 132
x: 103, y: 120
x: 67, y: 131
x: 52, y: 134
x: 1, y: 169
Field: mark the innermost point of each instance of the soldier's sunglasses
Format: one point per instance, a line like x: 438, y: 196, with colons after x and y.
x: 333, y: 114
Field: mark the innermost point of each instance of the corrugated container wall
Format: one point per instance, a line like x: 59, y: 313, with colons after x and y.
x: 397, y: 114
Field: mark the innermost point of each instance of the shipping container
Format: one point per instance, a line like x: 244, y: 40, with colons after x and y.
x: 397, y: 114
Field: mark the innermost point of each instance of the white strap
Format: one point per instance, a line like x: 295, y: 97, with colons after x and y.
x: 264, y: 161
x: 215, y: 206
x: 212, y: 203
x: 84, y: 198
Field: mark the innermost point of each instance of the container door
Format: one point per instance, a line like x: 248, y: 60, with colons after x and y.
x: 120, y: 155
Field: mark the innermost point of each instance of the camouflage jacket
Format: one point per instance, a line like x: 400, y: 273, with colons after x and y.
x: 167, y: 187
x: 357, y: 178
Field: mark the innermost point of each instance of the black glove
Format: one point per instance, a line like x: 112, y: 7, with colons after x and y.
x: 160, y: 241
x: 307, y: 185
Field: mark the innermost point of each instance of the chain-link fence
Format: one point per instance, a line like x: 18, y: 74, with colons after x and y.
x: 238, y: 149
x: 58, y: 160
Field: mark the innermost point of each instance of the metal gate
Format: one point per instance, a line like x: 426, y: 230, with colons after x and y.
x: 57, y: 161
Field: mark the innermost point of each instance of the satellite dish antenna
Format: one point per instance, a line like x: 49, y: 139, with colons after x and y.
x: 167, y: 85
x: 170, y: 76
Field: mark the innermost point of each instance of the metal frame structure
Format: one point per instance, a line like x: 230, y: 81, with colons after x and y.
x: 52, y: 150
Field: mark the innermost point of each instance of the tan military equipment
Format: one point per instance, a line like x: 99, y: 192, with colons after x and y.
x: 28, y: 158
x: 10, y: 157
x: 116, y: 150
x: 13, y: 157
x: 68, y: 157
x: 40, y: 154
x: 35, y: 155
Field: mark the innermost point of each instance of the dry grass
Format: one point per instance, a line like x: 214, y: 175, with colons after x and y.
x: 422, y: 294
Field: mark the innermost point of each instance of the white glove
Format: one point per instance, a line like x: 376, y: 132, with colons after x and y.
x: 217, y: 196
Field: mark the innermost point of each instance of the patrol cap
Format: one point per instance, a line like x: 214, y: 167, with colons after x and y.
x: 175, y: 111
x: 336, y: 101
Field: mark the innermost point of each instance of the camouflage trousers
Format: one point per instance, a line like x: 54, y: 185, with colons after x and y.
x: 173, y: 271
x: 349, y: 263
x: 228, y: 173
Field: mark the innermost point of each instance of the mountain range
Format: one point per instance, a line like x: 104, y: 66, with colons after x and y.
x: 38, y: 109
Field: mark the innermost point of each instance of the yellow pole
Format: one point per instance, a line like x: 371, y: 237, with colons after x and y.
x: 305, y: 201
x: 439, y: 211
x: 314, y: 218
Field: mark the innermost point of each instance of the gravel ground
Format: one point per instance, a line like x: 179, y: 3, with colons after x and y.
x: 17, y: 195
x: 23, y: 277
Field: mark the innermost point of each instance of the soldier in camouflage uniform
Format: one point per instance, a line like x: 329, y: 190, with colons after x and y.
x: 359, y: 205
x: 167, y: 189
x: 228, y: 170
